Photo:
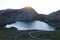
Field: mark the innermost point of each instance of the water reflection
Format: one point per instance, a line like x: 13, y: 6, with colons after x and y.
x: 38, y: 25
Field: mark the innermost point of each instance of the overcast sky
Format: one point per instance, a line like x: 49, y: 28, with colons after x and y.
x: 41, y: 6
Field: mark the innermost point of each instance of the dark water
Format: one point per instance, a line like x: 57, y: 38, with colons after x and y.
x: 38, y: 25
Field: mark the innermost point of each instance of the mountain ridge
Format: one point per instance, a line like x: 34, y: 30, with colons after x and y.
x: 25, y: 14
x: 28, y: 15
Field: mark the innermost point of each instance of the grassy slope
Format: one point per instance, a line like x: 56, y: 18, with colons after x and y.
x: 8, y: 34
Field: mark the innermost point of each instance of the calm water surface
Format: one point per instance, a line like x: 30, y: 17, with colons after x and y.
x: 37, y: 25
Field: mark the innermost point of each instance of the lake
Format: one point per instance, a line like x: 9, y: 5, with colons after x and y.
x: 37, y: 25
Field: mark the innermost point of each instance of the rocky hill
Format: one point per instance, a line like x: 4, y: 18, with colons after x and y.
x: 54, y: 18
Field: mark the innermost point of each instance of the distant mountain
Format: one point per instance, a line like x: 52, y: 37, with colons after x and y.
x: 25, y: 14
x: 54, y: 16
x: 54, y: 19
x: 28, y: 13
x: 17, y: 14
